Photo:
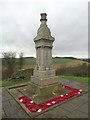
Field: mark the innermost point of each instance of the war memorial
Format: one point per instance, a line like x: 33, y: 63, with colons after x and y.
x: 45, y: 95
x: 44, y: 81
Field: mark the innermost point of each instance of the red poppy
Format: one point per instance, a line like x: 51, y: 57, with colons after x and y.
x: 33, y: 107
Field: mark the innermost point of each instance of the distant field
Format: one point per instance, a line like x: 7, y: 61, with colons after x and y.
x: 30, y: 61
x: 56, y: 62
x: 61, y: 60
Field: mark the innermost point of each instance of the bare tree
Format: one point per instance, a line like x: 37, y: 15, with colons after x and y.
x: 21, y: 60
x: 9, y: 61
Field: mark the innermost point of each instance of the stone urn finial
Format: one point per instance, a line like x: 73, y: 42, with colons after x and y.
x: 43, y: 17
x: 43, y: 32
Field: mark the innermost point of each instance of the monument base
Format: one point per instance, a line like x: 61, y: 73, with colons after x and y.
x: 44, y: 90
x: 44, y: 81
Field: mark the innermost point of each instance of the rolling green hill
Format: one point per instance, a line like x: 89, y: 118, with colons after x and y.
x: 56, y: 62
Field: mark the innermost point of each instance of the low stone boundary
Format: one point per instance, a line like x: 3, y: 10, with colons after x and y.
x: 23, y: 74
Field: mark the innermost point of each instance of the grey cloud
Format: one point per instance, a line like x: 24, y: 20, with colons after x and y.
x: 67, y: 21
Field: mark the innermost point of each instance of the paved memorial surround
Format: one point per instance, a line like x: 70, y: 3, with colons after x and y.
x: 33, y: 107
x: 75, y: 108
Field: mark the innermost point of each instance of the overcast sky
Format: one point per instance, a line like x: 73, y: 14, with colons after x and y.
x: 67, y: 20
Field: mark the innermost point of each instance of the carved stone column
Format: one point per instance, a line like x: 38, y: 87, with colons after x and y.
x: 44, y: 75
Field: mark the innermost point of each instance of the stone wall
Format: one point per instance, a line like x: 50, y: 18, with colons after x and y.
x: 23, y: 73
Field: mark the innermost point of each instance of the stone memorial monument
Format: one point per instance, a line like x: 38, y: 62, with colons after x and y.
x: 44, y: 82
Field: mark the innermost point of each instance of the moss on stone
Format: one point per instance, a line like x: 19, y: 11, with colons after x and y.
x: 44, y: 91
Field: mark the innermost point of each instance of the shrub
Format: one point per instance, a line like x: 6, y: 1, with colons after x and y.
x: 81, y: 70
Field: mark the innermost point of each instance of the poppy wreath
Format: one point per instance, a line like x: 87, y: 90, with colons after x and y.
x: 33, y: 107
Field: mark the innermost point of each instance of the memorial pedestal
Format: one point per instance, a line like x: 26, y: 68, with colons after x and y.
x: 44, y: 89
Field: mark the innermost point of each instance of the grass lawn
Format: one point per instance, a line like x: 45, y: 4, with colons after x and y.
x: 0, y: 83
x: 54, y: 60
x: 13, y: 82
x: 30, y: 61
x: 79, y: 79
x: 61, y: 61
x: 21, y: 81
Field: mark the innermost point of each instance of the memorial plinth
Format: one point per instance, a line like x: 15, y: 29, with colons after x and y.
x: 44, y: 82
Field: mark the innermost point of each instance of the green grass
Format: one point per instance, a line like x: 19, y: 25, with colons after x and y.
x: 54, y: 60
x: 61, y: 61
x: 30, y: 61
x: 13, y: 82
x: 79, y: 79
x: 0, y: 83
x: 22, y: 81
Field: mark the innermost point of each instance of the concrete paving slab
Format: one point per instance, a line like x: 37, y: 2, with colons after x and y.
x: 84, y: 108
x: 78, y: 101
x: 77, y: 114
x: 69, y: 106
x: 57, y: 112
x: 74, y: 108
x: 84, y: 97
x: 10, y: 110
x: 22, y: 114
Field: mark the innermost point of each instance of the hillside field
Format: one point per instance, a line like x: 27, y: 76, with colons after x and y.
x: 56, y: 62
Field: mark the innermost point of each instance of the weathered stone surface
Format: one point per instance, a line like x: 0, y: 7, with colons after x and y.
x: 43, y: 31
x: 84, y: 97
x: 77, y: 114
x: 43, y: 44
x: 84, y: 108
x: 45, y: 90
x: 10, y: 108
x: 21, y: 113
x: 57, y: 112
x: 44, y: 81
x: 43, y: 75
x: 60, y: 111
x: 78, y: 101
x: 69, y: 106
x: 3, y: 114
